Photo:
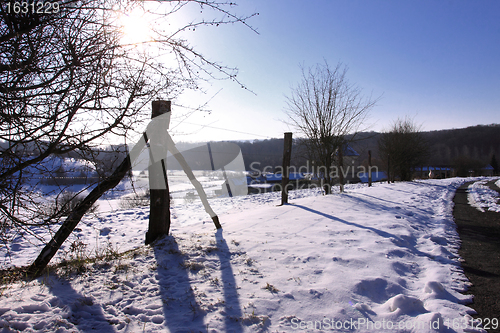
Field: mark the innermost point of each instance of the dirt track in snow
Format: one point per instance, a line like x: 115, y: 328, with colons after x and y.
x: 480, y: 249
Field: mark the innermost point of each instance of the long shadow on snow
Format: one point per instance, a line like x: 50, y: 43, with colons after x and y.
x: 386, y: 208
x: 398, y: 241
x: 393, y: 210
x: 83, y: 312
x: 181, y: 310
x: 232, y: 318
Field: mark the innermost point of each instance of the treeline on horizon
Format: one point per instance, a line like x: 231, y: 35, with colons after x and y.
x: 472, y: 147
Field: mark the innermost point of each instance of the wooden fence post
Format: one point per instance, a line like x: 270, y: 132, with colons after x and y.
x: 388, y: 169
x: 287, y: 154
x: 159, y: 214
x: 369, y: 168
x: 341, y: 167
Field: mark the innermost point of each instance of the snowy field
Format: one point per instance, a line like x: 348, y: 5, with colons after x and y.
x: 371, y: 259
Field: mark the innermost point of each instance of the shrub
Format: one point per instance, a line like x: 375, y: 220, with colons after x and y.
x: 136, y: 200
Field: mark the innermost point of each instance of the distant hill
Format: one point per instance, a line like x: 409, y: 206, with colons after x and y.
x: 478, y: 143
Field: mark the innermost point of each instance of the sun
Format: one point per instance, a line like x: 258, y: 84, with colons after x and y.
x: 135, y: 27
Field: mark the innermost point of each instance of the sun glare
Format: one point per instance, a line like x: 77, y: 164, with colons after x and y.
x: 135, y: 27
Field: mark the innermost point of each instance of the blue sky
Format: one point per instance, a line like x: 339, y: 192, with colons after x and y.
x: 436, y: 61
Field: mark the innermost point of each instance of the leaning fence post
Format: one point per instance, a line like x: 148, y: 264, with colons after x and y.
x: 285, y: 175
x: 159, y: 214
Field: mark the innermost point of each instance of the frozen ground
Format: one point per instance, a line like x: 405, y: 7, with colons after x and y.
x: 372, y: 259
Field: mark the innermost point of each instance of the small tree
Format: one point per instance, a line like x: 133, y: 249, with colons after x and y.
x: 324, y: 107
x: 404, y: 148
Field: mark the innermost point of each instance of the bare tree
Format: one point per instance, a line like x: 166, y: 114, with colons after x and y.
x: 325, y: 108
x: 69, y: 82
x: 404, y: 148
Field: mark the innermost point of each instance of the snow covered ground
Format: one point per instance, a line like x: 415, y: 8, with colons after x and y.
x: 482, y: 197
x: 371, y: 259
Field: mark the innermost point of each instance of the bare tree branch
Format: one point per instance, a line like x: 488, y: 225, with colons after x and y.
x: 69, y: 82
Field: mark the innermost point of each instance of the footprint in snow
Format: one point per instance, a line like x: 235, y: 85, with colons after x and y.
x: 105, y: 231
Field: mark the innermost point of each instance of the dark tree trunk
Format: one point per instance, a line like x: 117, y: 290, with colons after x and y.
x: 76, y: 215
x: 159, y: 212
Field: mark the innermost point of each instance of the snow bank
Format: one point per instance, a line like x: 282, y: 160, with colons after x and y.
x: 482, y: 197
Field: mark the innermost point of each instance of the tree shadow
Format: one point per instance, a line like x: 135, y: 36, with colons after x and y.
x: 398, y: 208
x: 396, y: 240
x: 387, y: 208
x: 180, y: 308
x: 377, y: 198
x: 82, y: 311
x: 331, y: 217
x: 382, y: 207
x: 233, y: 314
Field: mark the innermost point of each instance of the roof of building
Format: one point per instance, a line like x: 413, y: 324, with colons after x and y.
x: 376, y: 176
